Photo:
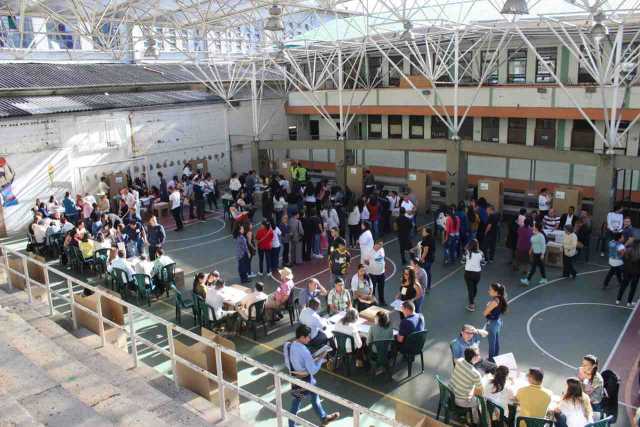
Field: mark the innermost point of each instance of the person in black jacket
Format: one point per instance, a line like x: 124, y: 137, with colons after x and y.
x: 404, y: 226
x: 569, y: 218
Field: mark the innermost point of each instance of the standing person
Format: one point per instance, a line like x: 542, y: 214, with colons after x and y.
x: 155, y: 236
x: 264, y: 238
x: 374, y: 214
x: 242, y: 253
x: 318, y: 229
x: 267, y: 206
x: 451, y: 242
x: 495, y: 308
x: 176, y: 208
x: 523, y: 245
x: 303, y: 366
x: 474, y: 222
x: 404, y: 226
x: 427, y: 253
x: 307, y: 237
x: 423, y: 279
x: 375, y: 262
x: 615, y: 221
x: 279, y: 205
x: 353, y: 220
x: 283, y: 225
x: 410, y: 289
x: 234, y: 185
x: 365, y: 240
x: 276, y: 244
x: 631, y: 272
x: 296, y: 233
x: 339, y: 260
x: 538, y: 248
x: 472, y: 269
x: 164, y: 193
x: 569, y: 250
x: 616, y: 260
x: 491, y: 233
x: 544, y: 202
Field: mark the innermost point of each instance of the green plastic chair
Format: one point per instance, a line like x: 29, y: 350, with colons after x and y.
x: 379, y: 355
x: 412, y: 347
x: 605, y: 422
x: 483, y: 409
x: 500, y: 420
x: 166, y: 279
x: 533, y: 422
x: 101, y: 260
x: 144, y: 285
x: 447, y: 404
x: 207, y: 316
x: 348, y: 357
x: 257, y: 317
x: 180, y: 303
x: 122, y: 282
x: 82, y: 262
x: 453, y: 358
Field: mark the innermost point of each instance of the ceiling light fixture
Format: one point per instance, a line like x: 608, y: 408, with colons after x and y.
x: 515, y: 7
x: 599, y: 31
x: 274, y: 20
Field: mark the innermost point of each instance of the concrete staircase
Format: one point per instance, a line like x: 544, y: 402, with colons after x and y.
x: 49, y: 376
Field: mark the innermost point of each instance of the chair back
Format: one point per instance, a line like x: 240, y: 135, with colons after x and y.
x: 121, y: 276
x: 533, y: 422
x: 202, y: 308
x: 451, y: 347
x: 485, y: 415
x: 493, y: 408
x: 143, y: 282
x: 256, y: 310
x: 101, y: 256
x: 341, y: 342
x: 605, y: 422
x: 415, y: 342
x: 382, y: 350
x: 446, y: 394
x: 179, y: 297
x: 167, y: 273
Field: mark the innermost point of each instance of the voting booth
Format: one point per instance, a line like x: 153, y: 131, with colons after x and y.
x: 110, y: 309
x: 36, y: 274
x: 204, y: 357
x: 564, y: 197
x: 492, y: 191
x: 419, y: 184
x: 354, y: 179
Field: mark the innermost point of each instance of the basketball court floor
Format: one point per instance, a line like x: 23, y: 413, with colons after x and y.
x: 550, y: 326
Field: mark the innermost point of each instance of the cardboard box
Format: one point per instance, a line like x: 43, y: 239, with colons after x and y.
x: 564, y: 197
x: 553, y: 255
x: 110, y: 310
x: 36, y: 273
x: 354, y: 179
x: 371, y: 312
x: 419, y: 184
x: 409, y: 416
x: 283, y: 169
x: 203, y: 356
x: 492, y: 191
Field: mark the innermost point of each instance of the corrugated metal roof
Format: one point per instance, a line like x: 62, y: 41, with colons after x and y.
x: 34, y: 105
x: 43, y: 75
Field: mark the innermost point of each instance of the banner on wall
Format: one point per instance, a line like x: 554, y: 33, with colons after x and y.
x: 7, y: 175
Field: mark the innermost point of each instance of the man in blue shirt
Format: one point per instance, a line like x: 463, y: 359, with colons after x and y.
x: 470, y: 338
x: 411, y: 323
x: 303, y: 366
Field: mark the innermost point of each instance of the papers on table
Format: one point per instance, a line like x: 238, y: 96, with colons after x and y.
x: 508, y: 360
x: 396, y: 305
x: 336, y: 317
x: 232, y: 295
x: 363, y: 329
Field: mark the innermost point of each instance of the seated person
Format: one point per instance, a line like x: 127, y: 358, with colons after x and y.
x: 381, y: 329
x: 199, y: 285
x: 160, y: 262
x: 65, y: 225
x: 144, y: 266
x: 466, y: 381
x: 215, y: 302
x: 121, y: 263
x: 411, y: 322
x: 574, y: 409
x: 313, y: 290
x: 309, y: 316
x: 533, y: 400
x: 86, y: 247
x: 278, y: 299
x: 362, y: 288
x: 497, y: 387
x: 246, y: 302
x: 349, y: 326
x: 470, y: 337
x: 39, y: 231
x: 592, y: 381
x: 339, y: 298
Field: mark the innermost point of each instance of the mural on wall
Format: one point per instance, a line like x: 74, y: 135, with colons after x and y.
x: 7, y: 176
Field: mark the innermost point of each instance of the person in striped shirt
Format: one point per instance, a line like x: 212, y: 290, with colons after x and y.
x: 466, y: 381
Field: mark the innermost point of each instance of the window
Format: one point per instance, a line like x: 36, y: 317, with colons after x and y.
x: 545, y: 135
x: 416, y: 127
x: 517, y: 131
x: 375, y: 71
x: 395, y: 126
x: 490, y: 129
x: 517, y: 66
x: 582, y: 136
x: 490, y: 69
x: 466, y: 130
x: 416, y: 65
x: 438, y: 128
x: 293, y: 133
x: 395, y: 75
x: 375, y: 127
x: 440, y: 71
x: 583, y: 74
x: 350, y: 73
x: 314, y: 129
x: 550, y: 56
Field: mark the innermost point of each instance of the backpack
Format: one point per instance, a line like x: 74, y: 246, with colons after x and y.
x: 610, y: 396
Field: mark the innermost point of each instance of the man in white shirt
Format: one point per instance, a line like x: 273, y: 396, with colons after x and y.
x: 375, y: 262
x: 176, y: 207
x: 39, y: 231
x: 120, y: 262
x: 250, y: 299
x: 144, y: 266
x: 409, y: 207
x: 128, y: 197
x: 215, y: 302
x: 160, y: 262
x: 309, y: 316
x: 615, y: 221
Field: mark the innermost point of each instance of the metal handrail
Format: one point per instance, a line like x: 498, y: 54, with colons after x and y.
x: 278, y: 377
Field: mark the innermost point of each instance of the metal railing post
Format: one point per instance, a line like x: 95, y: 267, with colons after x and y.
x: 27, y: 279
x: 48, y: 285
x: 6, y: 267
x: 278, y: 390
x: 172, y: 350
x: 103, y: 339
x: 132, y: 336
x: 356, y: 417
x: 72, y: 301
x: 220, y: 376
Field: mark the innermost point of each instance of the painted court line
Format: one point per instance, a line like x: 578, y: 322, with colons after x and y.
x: 624, y: 331
x: 200, y: 236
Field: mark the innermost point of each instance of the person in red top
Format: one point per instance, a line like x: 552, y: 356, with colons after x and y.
x: 374, y: 215
x: 264, y: 239
x: 451, y: 236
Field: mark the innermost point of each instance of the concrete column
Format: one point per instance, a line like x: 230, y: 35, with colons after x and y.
x: 405, y: 127
x: 531, y: 132
x: 633, y: 139
x: 341, y: 168
x: 502, y: 66
x: 531, y: 66
x: 604, y: 194
x: 456, y: 173
x: 427, y: 127
x: 503, y: 130
x: 477, y: 128
x: 385, y: 127
x: 598, y: 146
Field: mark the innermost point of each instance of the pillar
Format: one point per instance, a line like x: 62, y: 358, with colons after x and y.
x: 456, y: 172
x: 605, y: 190
x: 341, y: 166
